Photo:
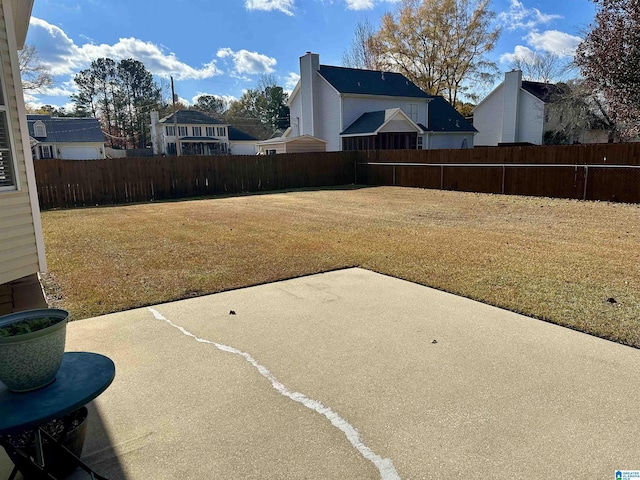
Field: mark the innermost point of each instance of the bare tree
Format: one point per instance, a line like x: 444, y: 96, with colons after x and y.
x: 362, y: 52
x: 34, y: 75
x: 541, y: 67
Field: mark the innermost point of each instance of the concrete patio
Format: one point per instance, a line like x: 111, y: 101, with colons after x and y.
x: 352, y: 374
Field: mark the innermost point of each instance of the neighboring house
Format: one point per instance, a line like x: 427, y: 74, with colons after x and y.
x: 21, y: 242
x: 517, y: 112
x: 198, y: 134
x: 241, y: 143
x: 353, y: 109
x: 67, y: 138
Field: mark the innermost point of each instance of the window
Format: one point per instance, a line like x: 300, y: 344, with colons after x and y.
x: 420, y: 143
x: 7, y: 167
x: 182, y: 131
x: 171, y: 148
x: 171, y: 130
x: 197, y: 131
x: 45, y: 151
x: 210, y: 131
x: 39, y: 130
x: 222, y: 132
x: 412, y: 111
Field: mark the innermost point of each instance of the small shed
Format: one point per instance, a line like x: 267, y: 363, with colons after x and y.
x: 301, y: 144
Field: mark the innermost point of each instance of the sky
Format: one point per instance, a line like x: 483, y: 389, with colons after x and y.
x: 222, y: 47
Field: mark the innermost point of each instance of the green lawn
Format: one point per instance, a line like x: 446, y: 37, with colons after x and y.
x: 569, y: 262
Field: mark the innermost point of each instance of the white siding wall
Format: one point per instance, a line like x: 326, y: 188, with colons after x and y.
x: 18, y: 251
x: 295, y: 111
x: 530, y: 119
x: 353, y: 107
x: 328, y: 127
x: 487, y: 119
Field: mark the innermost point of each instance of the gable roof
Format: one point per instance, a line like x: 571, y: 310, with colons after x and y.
x: 370, y: 123
x: 283, y: 140
x: 444, y: 118
x: 67, y: 129
x: 370, y: 82
x: 192, y: 117
x: 543, y: 91
x: 239, y: 135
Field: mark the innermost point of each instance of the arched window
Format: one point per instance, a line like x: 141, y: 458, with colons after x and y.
x: 39, y: 130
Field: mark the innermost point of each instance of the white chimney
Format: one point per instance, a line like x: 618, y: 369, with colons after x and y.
x: 510, y: 106
x: 155, y: 134
x: 309, y: 65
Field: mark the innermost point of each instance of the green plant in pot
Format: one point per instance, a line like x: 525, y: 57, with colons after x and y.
x: 31, y: 347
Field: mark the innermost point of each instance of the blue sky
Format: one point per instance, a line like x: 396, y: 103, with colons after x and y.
x: 222, y: 47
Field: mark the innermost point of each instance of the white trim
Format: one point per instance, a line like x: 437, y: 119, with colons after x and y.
x: 389, y: 116
x: 26, y: 145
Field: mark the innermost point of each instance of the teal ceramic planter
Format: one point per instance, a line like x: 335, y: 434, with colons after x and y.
x: 29, y: 361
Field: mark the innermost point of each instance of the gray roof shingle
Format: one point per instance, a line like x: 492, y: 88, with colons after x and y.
x: 239, y: 135
x: 67, y: 129
x: 370, y: 82
x: 444, y: 118
x: 192, y: 117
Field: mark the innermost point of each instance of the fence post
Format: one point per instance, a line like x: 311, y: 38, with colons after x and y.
x: 586, y: 176
x: 394, y: 175
x: 503, y: 175
x: 441, y: 177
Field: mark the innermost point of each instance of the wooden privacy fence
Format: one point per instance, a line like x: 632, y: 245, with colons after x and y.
x: 78, y: 183
x: 587, y: 172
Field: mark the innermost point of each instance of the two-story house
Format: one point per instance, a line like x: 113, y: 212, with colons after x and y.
x: 21, y: 241
x: 517, y: 112
x: 354, y: 109
x: 195, y: 133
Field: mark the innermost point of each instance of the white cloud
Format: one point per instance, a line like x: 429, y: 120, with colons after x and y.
x: 284, y: 6
x: 63, y: 57
x: 365, y: 4
x: 519, y: 53
x: 554, y: 41
x: 290, y: 81
x: 250, y: 63
x: 518, y: 16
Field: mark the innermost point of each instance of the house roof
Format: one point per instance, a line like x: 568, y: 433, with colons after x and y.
x: 238, y: 135
x: 543, y: 91
x: 372, y: 122
x: 277, y: 140
x: 67, y: 129
x: 192, y: 117
x: 444, y: 118
x: 370, y: 82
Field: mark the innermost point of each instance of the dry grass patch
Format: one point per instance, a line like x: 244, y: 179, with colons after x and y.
x: 558, y: 260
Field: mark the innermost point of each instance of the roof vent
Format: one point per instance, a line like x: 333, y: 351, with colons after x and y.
x: 358, y: 83
x: 457, y: 124
x: 382, y: 75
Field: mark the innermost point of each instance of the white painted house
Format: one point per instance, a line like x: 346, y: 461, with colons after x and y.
x: 198, y: 134
x: 21, y: 241
x: 353, y: 109
x: 67, y: 138
x: 517, y: 112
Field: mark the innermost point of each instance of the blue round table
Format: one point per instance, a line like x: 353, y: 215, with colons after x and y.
x: 81, y: 378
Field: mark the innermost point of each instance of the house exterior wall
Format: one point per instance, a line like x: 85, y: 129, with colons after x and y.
x: 295, y: 113
x: 487, y: 119
x: 164, y: 140
x: 530, y: 119
x: 21, y: 243
x: 61, y: 150
x: 329, y: 127
x: 354, y: 106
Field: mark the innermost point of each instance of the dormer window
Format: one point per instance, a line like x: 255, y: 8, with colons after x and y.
x: 39, y: 130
